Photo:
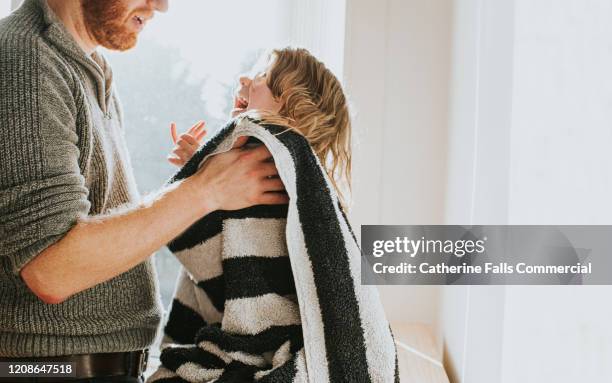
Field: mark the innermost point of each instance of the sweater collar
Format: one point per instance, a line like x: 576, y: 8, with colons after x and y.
x: 56, y: 33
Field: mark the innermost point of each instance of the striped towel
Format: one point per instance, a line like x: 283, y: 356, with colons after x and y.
x: 273, y: 293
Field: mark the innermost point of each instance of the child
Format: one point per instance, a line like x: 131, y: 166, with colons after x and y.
x: 295, y: 90
x: 272, y: 293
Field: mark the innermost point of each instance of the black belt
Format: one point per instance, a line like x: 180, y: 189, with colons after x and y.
x: 89, y: 366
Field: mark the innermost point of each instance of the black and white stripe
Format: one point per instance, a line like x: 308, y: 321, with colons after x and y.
x: 273, y: 293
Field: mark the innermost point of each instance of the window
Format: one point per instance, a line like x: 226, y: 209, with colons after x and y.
x: 5, y: 8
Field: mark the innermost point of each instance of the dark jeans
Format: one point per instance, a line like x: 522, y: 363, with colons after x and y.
x: 117, y: 379
x: 114, y: 379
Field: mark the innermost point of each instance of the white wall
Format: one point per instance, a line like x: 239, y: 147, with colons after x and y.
x: 557, y: 334
x: 562, y: 174
x: 397, y: 73
x: 529, y: 144
x: 563, y: 113
x: 5, y: 9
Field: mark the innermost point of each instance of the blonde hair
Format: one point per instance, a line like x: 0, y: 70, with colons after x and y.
x: 314, y: 105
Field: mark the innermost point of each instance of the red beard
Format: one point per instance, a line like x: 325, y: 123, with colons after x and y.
x: 106, y: 21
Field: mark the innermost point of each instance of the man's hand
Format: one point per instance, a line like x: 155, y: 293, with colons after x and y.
x: 240, y: 178
x: 86, y: 257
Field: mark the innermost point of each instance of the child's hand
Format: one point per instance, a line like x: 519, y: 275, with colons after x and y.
x: 187, y: 144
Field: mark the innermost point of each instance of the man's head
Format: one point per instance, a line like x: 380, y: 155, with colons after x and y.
x: 115, y: 24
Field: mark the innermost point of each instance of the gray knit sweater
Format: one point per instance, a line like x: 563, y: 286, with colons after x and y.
x: 62, y: 156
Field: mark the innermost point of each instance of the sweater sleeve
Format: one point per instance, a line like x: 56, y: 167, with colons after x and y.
x: 42, y: 190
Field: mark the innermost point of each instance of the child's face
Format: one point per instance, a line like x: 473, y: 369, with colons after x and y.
x: 254, y: 94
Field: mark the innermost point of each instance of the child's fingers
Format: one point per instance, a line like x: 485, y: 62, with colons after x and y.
x: 199, y: 130
x: 200, y: 135
x: 182, y: 154
x: 191, y: 140
x: 196, y: 127
x: 201, y: 127
x: 176, y: 161
x: 188, y: 147
x: 173, y: 132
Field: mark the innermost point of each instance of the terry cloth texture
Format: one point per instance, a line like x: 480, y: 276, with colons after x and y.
x: 62, y: 156
x: 273, y: 293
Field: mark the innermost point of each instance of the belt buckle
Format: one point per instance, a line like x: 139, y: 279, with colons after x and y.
x: 144, y: 359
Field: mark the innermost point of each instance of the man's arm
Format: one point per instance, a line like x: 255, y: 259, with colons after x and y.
x: 98, y: 249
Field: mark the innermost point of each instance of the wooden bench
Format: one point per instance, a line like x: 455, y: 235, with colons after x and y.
x: 418, y: 358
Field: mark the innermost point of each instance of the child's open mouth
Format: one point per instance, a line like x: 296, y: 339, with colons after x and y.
x: 242, y: 103
x: 139, y: 22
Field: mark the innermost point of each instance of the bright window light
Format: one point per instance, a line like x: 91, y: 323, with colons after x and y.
x: 5, y: 8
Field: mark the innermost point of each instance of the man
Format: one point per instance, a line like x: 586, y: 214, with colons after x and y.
x: 76, y: 281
